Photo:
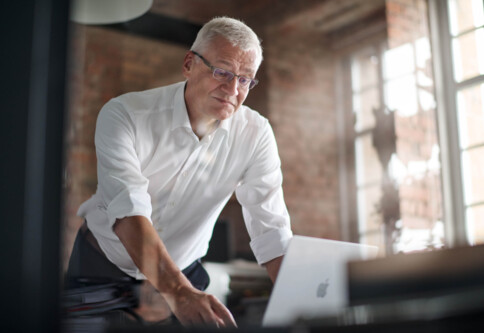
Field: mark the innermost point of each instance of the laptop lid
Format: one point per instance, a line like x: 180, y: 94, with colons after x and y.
x: 312, y: 281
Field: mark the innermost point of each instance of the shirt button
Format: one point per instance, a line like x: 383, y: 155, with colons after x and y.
x: 172, y: 204
x: 184, y: 174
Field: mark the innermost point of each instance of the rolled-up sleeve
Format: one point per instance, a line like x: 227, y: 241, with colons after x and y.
x: 124, y: 188
x: 261, y: 197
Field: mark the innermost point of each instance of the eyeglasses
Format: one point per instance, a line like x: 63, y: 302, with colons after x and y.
x: 226, y: 76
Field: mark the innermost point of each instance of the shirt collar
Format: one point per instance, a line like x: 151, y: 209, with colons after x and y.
x: 225, y: 124
x: 180, y: 113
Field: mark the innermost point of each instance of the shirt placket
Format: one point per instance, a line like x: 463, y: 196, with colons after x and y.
x: 185, y: 175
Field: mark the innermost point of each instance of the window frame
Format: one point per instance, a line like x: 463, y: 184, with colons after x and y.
x: 446, y: 90
x: 347, y: 134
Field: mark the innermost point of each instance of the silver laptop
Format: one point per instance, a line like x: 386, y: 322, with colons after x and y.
x: 312, y: 281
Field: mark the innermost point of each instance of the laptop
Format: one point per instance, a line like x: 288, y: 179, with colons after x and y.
x: 312, y: 281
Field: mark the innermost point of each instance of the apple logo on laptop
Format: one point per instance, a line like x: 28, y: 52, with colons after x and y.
x: 322, y: 289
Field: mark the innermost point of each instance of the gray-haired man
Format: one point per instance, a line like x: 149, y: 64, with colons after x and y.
x: 168, y: 161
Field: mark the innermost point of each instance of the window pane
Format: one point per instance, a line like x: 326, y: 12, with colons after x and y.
x: 364, y: 103
x: 423, y: 53
x: 465, y: 15
x: 369, y: 216
x: 468, y: 52
x: 401, y: 96
x: 368, y: 166
x: 475, y: 224
x: 470, y: 105
x: 364, y: 70
x: 399, y: 61
x: 472, y: 171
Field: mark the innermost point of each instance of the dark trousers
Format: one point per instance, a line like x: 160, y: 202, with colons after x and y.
x: 88, y: 262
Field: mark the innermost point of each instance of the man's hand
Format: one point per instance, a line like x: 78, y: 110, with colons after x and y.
x: 194, y: 307
x: 146, y: 249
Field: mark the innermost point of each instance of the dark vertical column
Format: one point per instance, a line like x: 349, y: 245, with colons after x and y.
x: 32, y: 59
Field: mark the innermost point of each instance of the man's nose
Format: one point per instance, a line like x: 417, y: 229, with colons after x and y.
x: 232, y: 86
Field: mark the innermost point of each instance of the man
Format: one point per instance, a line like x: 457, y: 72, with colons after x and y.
x: 168, y: 161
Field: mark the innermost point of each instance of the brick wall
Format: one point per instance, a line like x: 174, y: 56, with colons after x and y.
x: 302, y: 113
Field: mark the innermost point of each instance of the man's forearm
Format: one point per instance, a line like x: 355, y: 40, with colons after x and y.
x: 149, y: 253
x: 273, y: 267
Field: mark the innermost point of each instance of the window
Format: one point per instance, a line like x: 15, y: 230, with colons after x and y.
x: 395, y: 150
x: 458, y: 35
x: 366, y: 96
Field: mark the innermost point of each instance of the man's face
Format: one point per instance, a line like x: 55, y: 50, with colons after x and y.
x: 207, y: 98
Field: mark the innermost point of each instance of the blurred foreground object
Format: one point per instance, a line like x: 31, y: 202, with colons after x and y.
x: 107, y: 11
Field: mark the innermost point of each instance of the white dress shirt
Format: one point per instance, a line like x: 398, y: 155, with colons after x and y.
x: 151, y: 163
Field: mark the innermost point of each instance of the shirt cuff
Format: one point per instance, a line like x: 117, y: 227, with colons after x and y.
x: 270, y: 245
x: 129, y: 204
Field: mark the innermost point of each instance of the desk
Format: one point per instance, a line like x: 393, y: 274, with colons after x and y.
x: 459, y: 311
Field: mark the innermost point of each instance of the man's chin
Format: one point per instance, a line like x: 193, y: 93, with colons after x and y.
x: 224, y: 114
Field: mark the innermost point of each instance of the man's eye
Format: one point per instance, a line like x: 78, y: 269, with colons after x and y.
x: 244, y: 81
x: 222, y: 73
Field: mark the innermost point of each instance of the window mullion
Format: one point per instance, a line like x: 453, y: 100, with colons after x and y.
x: 464, y: 32
x: 470, y: 82
x: 454, y: 208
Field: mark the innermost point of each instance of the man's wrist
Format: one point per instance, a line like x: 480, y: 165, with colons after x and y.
x: 174, y: 284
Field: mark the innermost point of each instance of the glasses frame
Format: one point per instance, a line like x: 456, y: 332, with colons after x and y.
x: 251, y: 82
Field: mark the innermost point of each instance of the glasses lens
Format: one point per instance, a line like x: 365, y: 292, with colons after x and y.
x: 253, y: 83
x: 222, y: 75
x: 226, y: 76
x: 243, y: 81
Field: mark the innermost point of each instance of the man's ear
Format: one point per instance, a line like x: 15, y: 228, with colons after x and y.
x: 188, y: 64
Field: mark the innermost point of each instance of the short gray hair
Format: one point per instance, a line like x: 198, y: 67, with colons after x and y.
x: 235, y: 31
